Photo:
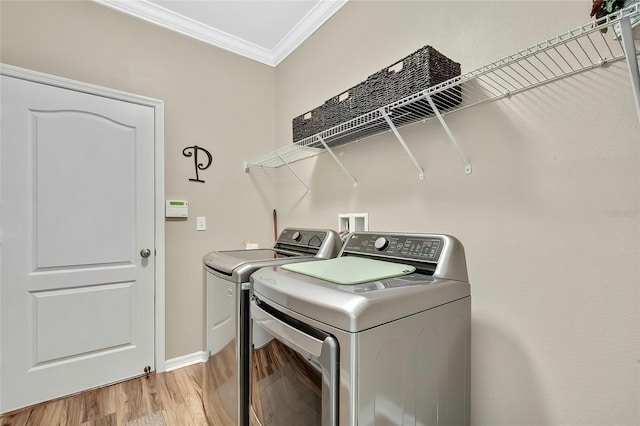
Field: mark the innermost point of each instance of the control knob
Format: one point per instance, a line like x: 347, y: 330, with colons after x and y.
x: 381, y: 243
x: 296, y: 236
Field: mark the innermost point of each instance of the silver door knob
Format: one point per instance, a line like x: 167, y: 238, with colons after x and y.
x: 145, y: 252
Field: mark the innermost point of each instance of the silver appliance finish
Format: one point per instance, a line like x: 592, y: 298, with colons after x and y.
x: 403, y: 343
x: 226, y: 274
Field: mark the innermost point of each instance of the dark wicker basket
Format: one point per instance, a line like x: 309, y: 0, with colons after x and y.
x: 308, y: 124
x: 345, y: 106
x: 416, y: 72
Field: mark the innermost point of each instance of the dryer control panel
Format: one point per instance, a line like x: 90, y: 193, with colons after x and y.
x: 396, y: 246
x: 322, y: 243
x: 302, y: 237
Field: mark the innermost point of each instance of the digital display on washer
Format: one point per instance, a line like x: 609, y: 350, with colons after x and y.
x: 397, y: 246
x: 420, y: 248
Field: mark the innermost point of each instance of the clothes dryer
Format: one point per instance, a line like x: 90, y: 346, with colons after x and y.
x: 378, y: 335
x: 226, y: 380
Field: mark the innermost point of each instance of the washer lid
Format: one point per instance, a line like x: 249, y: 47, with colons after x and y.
x: 351, y: 270
x: 293, y: 245
x: 227, y: 261
x: 355, y: 308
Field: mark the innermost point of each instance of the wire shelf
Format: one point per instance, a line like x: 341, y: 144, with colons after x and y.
x: 567, y: 54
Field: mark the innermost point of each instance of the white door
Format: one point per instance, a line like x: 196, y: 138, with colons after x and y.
x: 76, y: 209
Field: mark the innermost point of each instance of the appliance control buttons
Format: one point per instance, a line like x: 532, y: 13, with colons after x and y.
x: 296, y: 236
x: 381, y: 243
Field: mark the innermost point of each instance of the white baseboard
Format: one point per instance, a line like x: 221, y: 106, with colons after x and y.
x: 185, y: 360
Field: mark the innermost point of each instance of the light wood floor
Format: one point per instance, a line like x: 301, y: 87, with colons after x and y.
x: 176, y: 394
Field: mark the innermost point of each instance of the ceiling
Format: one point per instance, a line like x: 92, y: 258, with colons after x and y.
x: 264, y: 30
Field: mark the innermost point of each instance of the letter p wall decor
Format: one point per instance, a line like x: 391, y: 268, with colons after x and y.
x: 192, y: 151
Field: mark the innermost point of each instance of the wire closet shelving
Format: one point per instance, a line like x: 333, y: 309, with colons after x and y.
x: 575, y: 51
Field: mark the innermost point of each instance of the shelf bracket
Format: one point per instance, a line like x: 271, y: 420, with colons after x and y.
x: 456, y: 145
x: 294, y: 173
x: 395, y: 131
x: 344, y: 169
x: 630, y: 51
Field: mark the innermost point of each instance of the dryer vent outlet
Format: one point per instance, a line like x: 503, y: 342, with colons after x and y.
x: 351, y: 222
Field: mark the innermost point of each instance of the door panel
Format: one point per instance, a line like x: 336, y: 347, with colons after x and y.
x: 77, y: 206
x: 69, y: 214
x: 102, y: 314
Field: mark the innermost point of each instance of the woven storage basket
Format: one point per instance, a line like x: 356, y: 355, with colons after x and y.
x: 414, y: 73
x: 308, y: 124
x: 422, y: 69
x: 345, y: 106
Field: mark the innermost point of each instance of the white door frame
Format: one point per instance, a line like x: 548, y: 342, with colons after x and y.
x: 158, y: 107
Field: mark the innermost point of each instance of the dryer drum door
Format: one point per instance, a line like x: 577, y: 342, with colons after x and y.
x: 295, y: 376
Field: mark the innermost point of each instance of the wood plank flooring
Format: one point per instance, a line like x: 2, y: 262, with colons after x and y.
x: 176, y: 394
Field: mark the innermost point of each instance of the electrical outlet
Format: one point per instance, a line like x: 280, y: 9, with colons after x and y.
x: 201, y: 223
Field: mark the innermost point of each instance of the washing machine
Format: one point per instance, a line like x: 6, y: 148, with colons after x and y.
x: 379, y: 335
x: 229, y: 335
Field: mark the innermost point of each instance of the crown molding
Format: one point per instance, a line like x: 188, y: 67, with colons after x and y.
x: 166, y: 18
x: 313, y: 20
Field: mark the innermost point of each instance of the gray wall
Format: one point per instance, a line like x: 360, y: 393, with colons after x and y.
x: 213, y: 98
x: 549, y: 216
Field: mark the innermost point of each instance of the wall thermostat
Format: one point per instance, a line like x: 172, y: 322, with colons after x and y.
x: 176, y: 208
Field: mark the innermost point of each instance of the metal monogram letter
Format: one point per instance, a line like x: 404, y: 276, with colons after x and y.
x: 199, y: 166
